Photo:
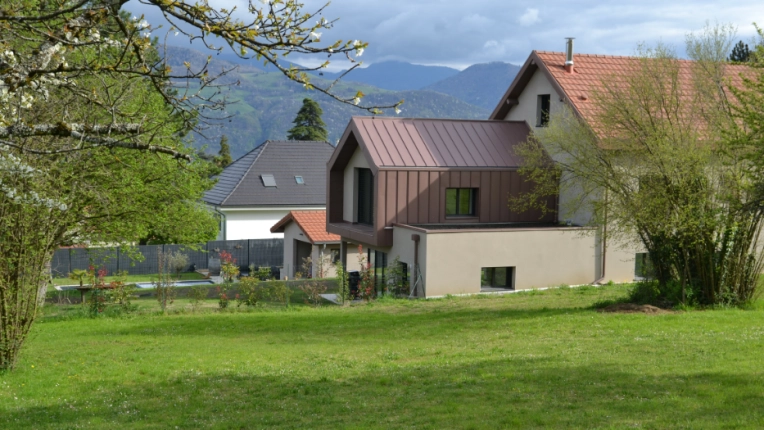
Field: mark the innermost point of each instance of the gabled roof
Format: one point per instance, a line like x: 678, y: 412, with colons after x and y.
x: 435, y: 143
x: 312, y: 223
x: 241, y: 183
x: 589, y: 72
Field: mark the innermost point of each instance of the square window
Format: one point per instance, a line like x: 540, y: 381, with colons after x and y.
x: 461, y: 202
x: 299, y: 180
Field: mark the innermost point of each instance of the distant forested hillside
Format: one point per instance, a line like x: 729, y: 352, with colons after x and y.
x: 266, y: 102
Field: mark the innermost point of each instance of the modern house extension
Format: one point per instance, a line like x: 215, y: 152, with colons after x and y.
x: 434, y: 193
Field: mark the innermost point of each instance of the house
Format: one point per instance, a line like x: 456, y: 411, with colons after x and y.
x: 261, y: 187
x: 305, y: 236
x: 434, y: 194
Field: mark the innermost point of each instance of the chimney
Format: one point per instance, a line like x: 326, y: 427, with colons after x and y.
x: 569, y: 54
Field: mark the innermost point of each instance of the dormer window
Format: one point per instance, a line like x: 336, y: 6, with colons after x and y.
x: 542, y: 110
x: 299, y: 180
x: 268, y: 180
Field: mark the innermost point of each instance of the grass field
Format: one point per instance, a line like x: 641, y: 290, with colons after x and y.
x: 529, y: 360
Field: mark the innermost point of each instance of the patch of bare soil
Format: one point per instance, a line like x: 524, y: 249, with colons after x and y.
x: 631, y: 308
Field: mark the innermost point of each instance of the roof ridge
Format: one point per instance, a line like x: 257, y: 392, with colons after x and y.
x: 382, y: 118
x: 264, y: 145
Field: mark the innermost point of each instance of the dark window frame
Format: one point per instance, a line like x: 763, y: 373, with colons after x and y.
x: 490, y: 276
x: 473, y: 202
x: 365, y: 198
x: 543, y: 106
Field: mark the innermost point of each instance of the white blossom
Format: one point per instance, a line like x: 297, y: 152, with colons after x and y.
x: 356, y: 100
x: 316, y: 36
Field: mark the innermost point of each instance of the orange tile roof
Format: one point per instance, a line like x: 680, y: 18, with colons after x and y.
x: 589, y: 73
x: 312, y: 223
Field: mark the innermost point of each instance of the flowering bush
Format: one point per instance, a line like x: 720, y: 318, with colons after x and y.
x: 228, y: 267
x: 223, y: 298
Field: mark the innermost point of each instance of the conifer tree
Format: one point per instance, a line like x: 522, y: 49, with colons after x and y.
x: 308, y: 124
x: 740, y: 53
x: 224, y: 155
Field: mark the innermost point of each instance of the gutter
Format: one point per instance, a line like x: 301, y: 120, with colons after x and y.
x: 222, y: 221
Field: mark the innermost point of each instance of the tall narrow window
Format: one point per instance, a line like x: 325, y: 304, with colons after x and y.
x: 461, y: 201
x: 542, y: 110
x: 365, y: 197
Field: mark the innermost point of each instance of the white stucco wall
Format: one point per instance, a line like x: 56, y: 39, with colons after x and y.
x: 255, y: 223
x: 357, y: 161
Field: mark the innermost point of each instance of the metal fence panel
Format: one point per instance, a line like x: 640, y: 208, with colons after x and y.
x: 259, y: 252
x: 237, y: 248
x: 266, y: 252
x: 59, y: 265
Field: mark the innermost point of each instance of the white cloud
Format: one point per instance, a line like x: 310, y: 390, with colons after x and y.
x: 530, y: 17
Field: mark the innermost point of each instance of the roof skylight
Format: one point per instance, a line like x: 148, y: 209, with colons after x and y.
x: 268, y: 180
x: 299, y: 180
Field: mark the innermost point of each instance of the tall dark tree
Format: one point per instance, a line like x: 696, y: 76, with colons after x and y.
x: 740, y: 53
x: 308, y: 124
x: 224, y: 155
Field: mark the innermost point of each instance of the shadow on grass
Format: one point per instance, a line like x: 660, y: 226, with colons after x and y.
x: 486, y: 394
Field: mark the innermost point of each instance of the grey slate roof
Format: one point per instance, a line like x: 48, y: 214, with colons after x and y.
x: 240, y: 184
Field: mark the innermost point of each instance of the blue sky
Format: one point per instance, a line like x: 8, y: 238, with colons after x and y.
x: 459, y: 33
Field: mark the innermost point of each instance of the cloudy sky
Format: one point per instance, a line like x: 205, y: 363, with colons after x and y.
x: 459, y: 33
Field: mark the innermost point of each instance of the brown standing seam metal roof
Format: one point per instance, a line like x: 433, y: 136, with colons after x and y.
x: 589, y: 72
x: 417, y: 143
x: 312, y: 223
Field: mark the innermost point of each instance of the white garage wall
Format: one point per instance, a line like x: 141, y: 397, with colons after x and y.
x: 255, y: 223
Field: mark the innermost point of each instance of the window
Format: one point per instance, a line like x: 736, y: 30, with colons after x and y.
x: 299, y: 180
x: 498, y: 277
x: 335, y: 256
x: 461, y: 201
x: 365, y: 197
x: 542, y: 110
x: 268, y: 180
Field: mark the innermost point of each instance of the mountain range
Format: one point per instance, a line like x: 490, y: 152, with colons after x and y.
x: 266, y: 102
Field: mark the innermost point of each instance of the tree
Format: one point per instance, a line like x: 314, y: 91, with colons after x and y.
x: 740, y: 53
x: 308, y: 124
x: 224, y: 155
x: 658, y: 165
x: 92, y: 121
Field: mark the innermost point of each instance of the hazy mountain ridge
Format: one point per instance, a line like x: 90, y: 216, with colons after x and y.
x: 480, y: 84
x: 268, y: 102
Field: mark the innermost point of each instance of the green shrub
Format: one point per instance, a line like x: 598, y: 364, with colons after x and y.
x: 251, y: 291
x: 197, y: 296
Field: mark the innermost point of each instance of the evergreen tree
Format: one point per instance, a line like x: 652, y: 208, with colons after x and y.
x: 308, y: 124
x: 740, y: 53
x: 224, y: 155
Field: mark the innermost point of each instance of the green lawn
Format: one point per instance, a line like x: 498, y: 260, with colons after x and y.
x: 529, y: 360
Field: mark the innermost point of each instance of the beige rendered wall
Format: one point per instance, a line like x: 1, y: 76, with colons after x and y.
x: 357, y: 161
x: 291, y: 232
x: 541, y: 258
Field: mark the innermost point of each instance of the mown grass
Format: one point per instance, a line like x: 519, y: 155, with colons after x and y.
x: 532, y: 360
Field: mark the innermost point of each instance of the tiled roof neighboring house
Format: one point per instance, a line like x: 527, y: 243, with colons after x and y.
x: 244, y: 182
x: 437, y: 143
x: 589, y: 73
x: 312, y: 223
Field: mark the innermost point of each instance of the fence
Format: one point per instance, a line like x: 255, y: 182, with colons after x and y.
x: 259, y: 252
